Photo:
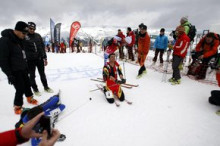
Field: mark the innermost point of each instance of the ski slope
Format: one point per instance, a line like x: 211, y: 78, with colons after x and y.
x: 161, y: 114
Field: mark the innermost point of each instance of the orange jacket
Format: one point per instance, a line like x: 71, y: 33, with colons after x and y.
x: 207, y: 48
x: 143, y: 44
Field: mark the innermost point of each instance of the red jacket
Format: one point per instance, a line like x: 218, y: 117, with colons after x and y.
x: 181, y: 45
x: 111, y: 48
x: 207, y: 48
x: 11, y: 138
x: 131, y: 33
x: 122, y: 36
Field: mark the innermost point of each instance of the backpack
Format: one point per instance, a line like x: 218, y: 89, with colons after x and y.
x: 192, y: 32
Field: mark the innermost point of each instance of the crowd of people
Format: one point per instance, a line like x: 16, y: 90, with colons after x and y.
x: 76, y: 46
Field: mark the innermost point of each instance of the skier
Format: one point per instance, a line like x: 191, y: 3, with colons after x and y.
x: 121, y: 47
x: 160, y: 46
x: 179, y: 53
x: 111, y: 70
x: 130, y: 46
x: 143, y: 49
x: 13, y: 63
x: 36, y: 58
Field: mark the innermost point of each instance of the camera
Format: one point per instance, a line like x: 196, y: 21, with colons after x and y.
x: 44, y: 124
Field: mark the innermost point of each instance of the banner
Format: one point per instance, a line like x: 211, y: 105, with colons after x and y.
x: 73, y: 31
x: 57, y: 33
x: 52, y: 26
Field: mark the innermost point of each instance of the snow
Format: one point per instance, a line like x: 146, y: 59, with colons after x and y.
x: 161, y: 114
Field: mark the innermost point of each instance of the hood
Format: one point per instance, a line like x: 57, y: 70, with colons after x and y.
x: 10, y: 34
x: 7, y: 33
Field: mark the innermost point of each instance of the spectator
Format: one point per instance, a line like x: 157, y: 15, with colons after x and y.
x: 13, y: 63
x: 206, y: 49
x: 143, y: 49
x: 36, y: 57
x: 179, y: 53
x: 131, y: 45
x: 160, y: 46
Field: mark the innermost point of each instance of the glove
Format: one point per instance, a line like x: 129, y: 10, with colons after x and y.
x: 11, y: 80
x: 123, y: 81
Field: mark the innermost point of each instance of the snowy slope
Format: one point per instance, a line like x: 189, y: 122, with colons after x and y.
x: 161, y: 114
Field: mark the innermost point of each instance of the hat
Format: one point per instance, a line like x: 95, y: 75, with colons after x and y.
x: 140, y: 25
x: 162, y: 30
x: 143, y: 27
x: 184, y: 18
x: 32, y: 25
x: 21, y: 26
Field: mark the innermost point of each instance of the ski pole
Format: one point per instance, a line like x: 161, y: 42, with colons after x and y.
x: 124, y: 69
x: 74, y: 110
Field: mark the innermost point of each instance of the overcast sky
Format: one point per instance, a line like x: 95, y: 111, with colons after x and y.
x: 154, y: 13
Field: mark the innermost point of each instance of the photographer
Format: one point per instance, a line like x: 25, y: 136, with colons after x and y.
x: 22, y: 135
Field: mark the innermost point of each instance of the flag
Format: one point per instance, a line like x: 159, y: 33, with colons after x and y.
x: 52, y: 26
x: 73, y: 31
x: 57, y: 33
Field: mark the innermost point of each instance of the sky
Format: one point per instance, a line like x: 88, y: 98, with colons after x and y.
x: 122, y: 13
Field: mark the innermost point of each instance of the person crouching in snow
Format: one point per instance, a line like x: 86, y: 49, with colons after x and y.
x: 179, y: 53
x: 110, y: 75
x: 111, y: 48
x: 143, y: 48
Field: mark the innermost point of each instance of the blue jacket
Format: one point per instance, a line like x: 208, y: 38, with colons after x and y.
x: 161, y: 42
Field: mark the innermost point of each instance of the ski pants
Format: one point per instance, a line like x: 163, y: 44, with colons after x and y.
x: 157, y: 51
x: 22, y: 86
x: 39, y: 64
x: 177, y: 60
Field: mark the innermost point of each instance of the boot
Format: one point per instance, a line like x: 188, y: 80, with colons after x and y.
x: 31, y: 100
x: 18, y: 110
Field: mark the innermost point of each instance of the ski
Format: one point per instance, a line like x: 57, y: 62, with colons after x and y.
x: 99, y: 80
x: 116, y: 103
x: 100, y: 87
x: 132, y: 85
x: 128, y: 102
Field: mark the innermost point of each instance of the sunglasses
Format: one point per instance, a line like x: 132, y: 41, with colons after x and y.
x: 32, y: 28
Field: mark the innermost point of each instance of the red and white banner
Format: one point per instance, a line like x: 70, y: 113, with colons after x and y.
x: 73, y: 31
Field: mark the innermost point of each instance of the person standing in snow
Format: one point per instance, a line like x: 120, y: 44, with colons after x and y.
x: 186, y: 24
x: 111, y: 70
x: 121, y: 47
x: 36, y: 57
x: 160, y: 46
x: 143, y: 49
x: 130, y: 46
x: 179, y: 53
x: 13, y: 63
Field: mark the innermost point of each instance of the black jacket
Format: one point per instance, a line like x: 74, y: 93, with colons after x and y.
x: 12, y: 54
x: 34, y: 47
